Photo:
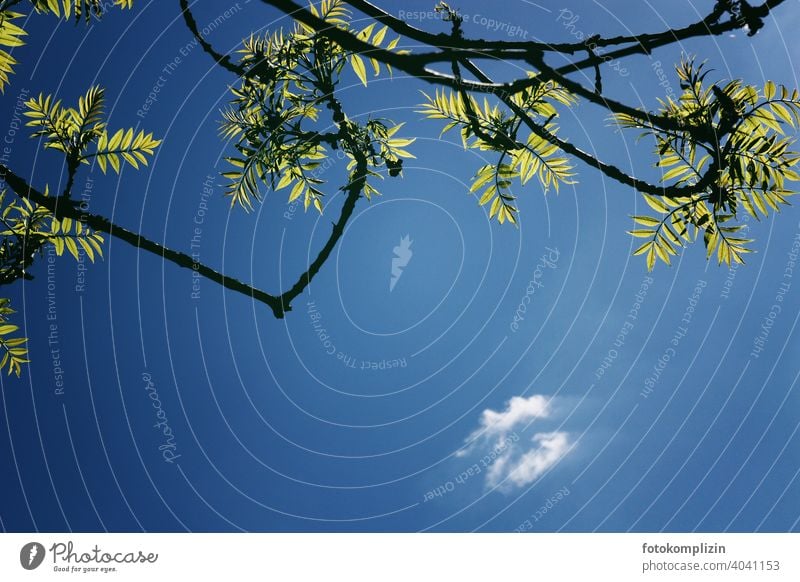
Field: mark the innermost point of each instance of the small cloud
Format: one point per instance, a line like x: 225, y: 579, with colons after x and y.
x: 511, y: 461
x: 518, y: 410
x: 499, y: 424
x: 524, y: 468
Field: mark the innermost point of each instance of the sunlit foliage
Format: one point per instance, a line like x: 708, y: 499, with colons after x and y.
x: 733, y: 142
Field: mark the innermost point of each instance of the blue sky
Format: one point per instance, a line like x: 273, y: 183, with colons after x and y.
x: 436, y: 409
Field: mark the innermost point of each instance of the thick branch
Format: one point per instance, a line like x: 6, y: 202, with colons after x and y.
x: 641, y: 43
x: 646, y: 43
x: 414, y: 64
x: 223, y: 60
x: 459, y: 48
x: 353, y: 190
x: 522, y: 47
x: 408, y: 64
x: 455, y: 48
x: 67, y: 209
x: 608, y: 169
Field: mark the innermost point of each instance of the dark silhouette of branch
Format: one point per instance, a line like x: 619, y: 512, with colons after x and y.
x: 641, y: 43
x: 64, y: 208
x: 598, y: 78
x: 456, y: 49
x: 222, y: 60
x: 608, y: 169
x: 646, y: 43
x: 453, y: 48
x: 72, y: 169
x: 408, y: 64
x: 353, y: 190
x: 415, y: 65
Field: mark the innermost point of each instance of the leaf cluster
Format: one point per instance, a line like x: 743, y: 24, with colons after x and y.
x: 493, y: 127
x: 74, y: 130
x: 274, y: 117
x: 732, y: 145
x: 28, y: 227
x: 79, y: 8
x: 15, y: 352
x: 11, y: 34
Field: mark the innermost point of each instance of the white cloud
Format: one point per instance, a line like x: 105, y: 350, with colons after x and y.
x: 499, y: 424
x: 524, y: 468
x: 508, y: 460
x: 518, y: 410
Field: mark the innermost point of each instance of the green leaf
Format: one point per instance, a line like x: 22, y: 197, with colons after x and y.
x: 769, y: 90
x: 297, y: 191
x: 10, y: 36
x: 656, y: 204
x: 488, y: 195
x: 781, y: 112
x: 647, y: 220
x: 651, y: 258
x: 8, y: 328
x: 484, y: 175
x: 358, y: 66
x: 662, y: 254
x: 378, y: 38
x: 675, y: 172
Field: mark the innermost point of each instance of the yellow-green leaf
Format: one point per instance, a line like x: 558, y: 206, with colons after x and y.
x: 358, y: 66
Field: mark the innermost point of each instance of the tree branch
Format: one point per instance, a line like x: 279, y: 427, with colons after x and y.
x: 608, y: 169
x: 414, y: 64
x: 222, y: 60
x: 641, y: 43
x: 460, y: 48
x: 646, y: 43
x: 64, y: 208
x: 353, y: 190
x: 455, y: 48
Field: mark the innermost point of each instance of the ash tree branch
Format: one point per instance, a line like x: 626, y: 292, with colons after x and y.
x: 646, y: 43
x: 223, y: 61
x: 415, y: 65
x: 353, y: 193
x: 408, y: 64
x: 609, y: 170
x: 640, y: 43
x: 64, y: 208
x: 353, y: 190
x: 455, y: 48
x: 598, y: 78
